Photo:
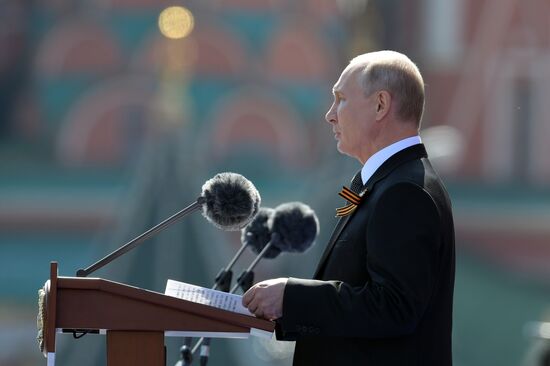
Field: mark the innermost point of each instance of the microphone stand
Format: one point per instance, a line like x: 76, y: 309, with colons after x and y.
x: 245, y: 280
x: 223, y: 283
x: 185, y: 353
x: 139, y: 239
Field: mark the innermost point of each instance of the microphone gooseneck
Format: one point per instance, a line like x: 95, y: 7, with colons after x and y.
x: 246, y: 278
x: 254, y: 236
x: 228, y: 200
x: 141, y: 238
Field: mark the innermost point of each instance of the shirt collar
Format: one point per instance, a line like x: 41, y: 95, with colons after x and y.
x: 376, y: 160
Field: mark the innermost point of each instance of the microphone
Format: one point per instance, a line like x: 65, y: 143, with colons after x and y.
x: 290, y: 227
x: 228, y: 200
x: 297, y: 227
x: 254, y: 236
x: 257, y: 234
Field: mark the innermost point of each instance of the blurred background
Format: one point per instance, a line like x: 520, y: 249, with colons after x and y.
x: 113, y: 113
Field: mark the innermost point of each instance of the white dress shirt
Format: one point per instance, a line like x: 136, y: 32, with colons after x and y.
x: 375, y: 161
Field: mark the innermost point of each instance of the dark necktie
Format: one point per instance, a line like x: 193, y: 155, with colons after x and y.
x: 357, y: 183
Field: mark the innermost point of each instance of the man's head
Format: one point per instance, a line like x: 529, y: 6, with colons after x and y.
x: 378, y: 99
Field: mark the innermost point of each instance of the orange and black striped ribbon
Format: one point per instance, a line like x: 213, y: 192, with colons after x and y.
x: 349, y: 195
x: 353, y: 201
x: 346, y: 210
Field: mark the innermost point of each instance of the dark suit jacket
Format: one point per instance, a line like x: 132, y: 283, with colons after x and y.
x: 383, y: 290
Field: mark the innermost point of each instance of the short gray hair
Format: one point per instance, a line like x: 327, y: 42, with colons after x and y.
x: 396, y: 73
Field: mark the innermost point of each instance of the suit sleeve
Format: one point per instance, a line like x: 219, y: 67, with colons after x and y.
x: 402, y: 238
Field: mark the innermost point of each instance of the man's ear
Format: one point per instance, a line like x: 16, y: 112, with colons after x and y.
x: 383, y: 104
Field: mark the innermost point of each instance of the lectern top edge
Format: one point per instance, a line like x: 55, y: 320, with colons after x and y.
x: 158, y: 298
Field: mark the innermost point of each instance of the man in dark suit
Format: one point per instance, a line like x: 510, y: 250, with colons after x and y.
x: 382, y: 293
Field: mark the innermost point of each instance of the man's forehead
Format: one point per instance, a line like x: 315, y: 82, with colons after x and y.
x: 347, y: 75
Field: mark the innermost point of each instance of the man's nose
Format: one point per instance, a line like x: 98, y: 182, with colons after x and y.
x: 330, y: 116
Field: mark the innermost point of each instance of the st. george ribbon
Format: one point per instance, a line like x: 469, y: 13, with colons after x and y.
x: 290, y: 227
x: 228, y: 200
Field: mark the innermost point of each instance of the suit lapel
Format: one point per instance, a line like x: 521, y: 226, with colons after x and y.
x: 333, y: 238
x: 411, y: 153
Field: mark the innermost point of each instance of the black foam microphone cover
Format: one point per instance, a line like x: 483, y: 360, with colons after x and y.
x: 296, y: 226
x: 257, y: 233
x: 230, y: 201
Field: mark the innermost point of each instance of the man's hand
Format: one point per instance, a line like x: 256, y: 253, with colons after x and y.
x: 265, y: 299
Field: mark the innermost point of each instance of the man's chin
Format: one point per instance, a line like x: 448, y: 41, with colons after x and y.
x: 341, y: 149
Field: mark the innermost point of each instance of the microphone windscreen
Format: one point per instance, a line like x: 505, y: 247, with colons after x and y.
x: 295, y: 225
x: 258, y: 233
x: 230, y: 201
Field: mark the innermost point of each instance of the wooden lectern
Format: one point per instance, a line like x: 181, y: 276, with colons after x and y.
x: 135, y: 320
